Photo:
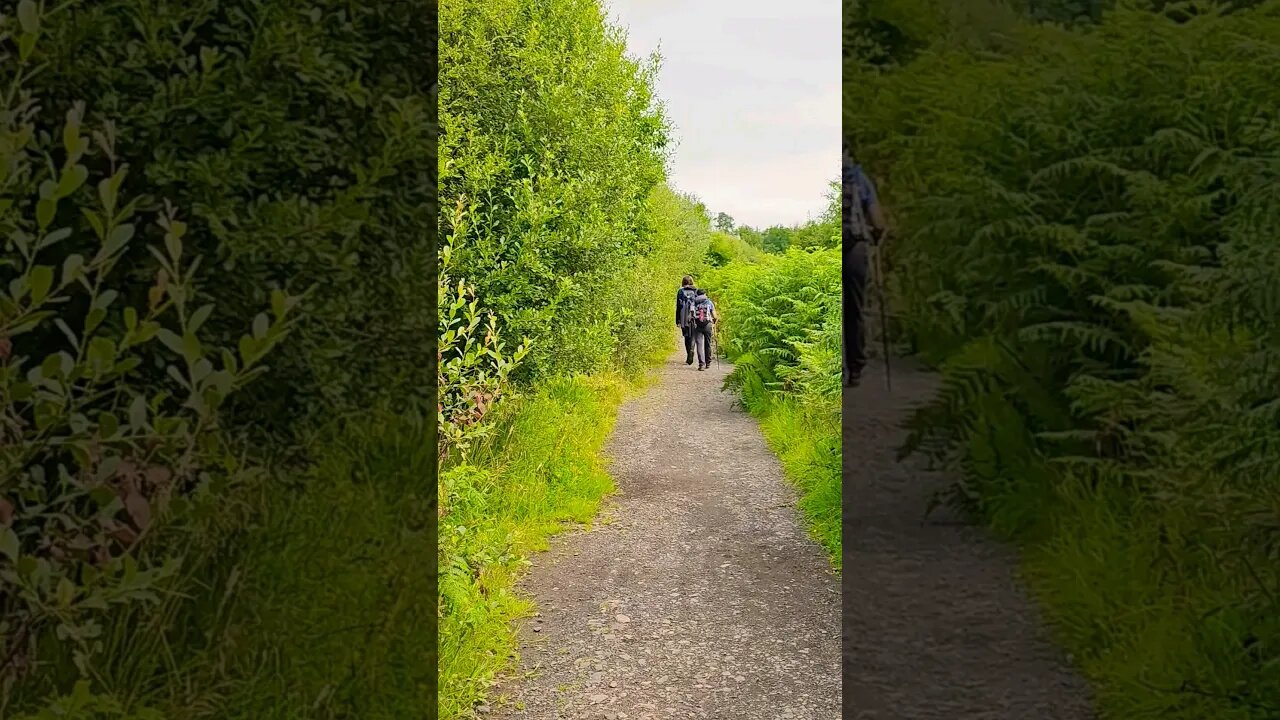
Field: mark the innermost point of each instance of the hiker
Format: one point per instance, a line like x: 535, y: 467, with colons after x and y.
x: 862, y: 223
x: 705, y: 318
x: 685, y: 297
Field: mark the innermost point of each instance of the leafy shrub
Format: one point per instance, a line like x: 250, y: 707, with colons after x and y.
x: 473, y: 371
x: 297, y: 138
x: 551, y: 143
x: 101, y: 456
x: 1084, y: 224
x: 726, y: 248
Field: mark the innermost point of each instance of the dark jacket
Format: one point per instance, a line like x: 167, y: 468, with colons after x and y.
x: 857, y: 202
x: 682, y: 311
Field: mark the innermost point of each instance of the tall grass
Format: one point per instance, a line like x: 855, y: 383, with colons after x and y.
x: 540, y: 472
x: 305, y: 594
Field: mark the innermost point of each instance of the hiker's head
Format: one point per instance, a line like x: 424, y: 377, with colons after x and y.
x: 701, y: 293
x: 687, y: 281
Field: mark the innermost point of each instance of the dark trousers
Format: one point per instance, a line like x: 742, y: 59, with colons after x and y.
x: 853, y: 274
x: 702, y: 339
x: 687, y: 332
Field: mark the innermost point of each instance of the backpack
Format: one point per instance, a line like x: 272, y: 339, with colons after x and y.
x: 687, y: 300
x: 702, y: 311
x: 854, y: 216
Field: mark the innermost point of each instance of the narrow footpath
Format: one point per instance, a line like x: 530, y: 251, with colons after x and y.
x: 937, y: 623
x: 699, y: 594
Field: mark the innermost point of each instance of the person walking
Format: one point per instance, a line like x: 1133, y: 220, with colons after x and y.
x: 862, y: 222
x: 705, y: 318
x: 685, y: 298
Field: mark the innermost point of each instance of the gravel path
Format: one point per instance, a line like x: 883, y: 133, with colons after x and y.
x: 936, y: 622
x: 698, y: 595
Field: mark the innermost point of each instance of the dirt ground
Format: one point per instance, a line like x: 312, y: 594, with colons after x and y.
x: 936, y: 622
x: 699, y: 595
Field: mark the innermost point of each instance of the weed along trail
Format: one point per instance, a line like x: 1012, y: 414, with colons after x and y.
x: 936, y: 621
x: 698, y: 594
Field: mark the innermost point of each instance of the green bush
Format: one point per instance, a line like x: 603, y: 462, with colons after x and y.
x: 551, y: 145
x: 297, y: 140
x: 725, y: 248
x: 1086, y: 238
x: 100, y: 466
x: 168, y: 172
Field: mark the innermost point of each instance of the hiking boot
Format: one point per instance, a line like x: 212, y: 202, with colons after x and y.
x: 701, y: 366
x: 689, y: 360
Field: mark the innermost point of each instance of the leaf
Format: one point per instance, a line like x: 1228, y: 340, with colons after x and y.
x: 45, y: 210
x: 29, y: 16
x: 199, y: 317
x: 104, y: 300
x: 138, y: 413
x: 41, y: 281
x: 9, y: 546
x: 176, y: 374
x: 173, y: 243
x: 109, y: 188
x: 170, y: 339
x: 94, y: 319
x: 261, y: 323
x: 56, y: 236
x: 71, y: 268
x: 95, y: 221
x: 26, y: 45
x: 108, y: 425
x: 130, y: 319
x: 139, y: 509
x: 201, y: 369
x: 191, y: 349
x: 66, y: 593
x: 71, y: 180
x: 120, y: 236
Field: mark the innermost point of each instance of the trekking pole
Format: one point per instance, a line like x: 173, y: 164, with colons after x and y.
x: 884, y: 315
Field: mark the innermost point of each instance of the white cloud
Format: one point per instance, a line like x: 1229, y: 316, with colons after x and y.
x: 753, y: 89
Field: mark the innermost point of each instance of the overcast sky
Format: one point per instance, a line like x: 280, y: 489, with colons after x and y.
x: 753, y: 90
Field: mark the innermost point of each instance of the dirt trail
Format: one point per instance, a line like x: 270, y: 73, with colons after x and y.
x: 700, y: 595
x: 936, y: 622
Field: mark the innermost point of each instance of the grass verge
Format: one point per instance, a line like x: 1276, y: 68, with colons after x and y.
x: 806, y: 438
x: 540, y: 472
x: 1145, y: 609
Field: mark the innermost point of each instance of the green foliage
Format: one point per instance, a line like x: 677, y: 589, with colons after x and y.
x: 1085, y: 238
x: 101, y: 460
x: 551, y: 146
x: 725, y: 248
x: 781, y: 322
x: 820, y: 233
x: 473, y: 371
x: 327, y: 606
x: 781, y: 328
x: 298, y: 139
x: 565, y: 243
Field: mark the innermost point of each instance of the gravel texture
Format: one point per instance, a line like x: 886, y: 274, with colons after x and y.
x: 698, y: 594
x: 936, y: 622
